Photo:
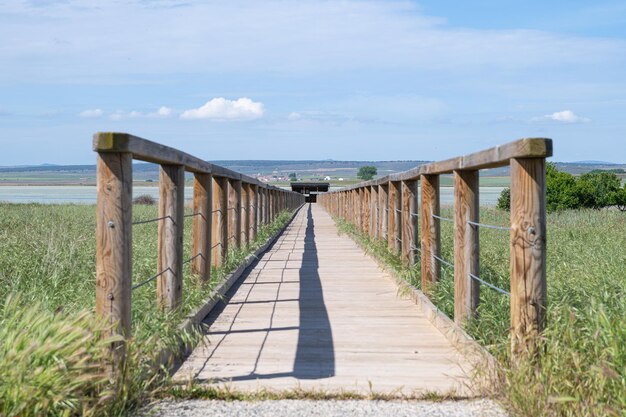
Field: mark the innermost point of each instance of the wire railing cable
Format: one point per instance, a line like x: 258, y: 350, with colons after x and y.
x: 152, y: 220
x: 493, y: 287
x: 152, y: 278
x: 488, y: 226
x: 445, y: 219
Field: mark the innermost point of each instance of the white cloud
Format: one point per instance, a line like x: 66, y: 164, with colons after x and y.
x: 220, y: 108
x: 294, y: 116
x: 565, y: 116
x: 163, y: 112
x: 91, y: 113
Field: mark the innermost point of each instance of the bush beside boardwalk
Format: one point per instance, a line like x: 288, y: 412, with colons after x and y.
x: 50, y: 350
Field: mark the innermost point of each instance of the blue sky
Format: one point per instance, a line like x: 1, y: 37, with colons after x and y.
x: 364, y: 80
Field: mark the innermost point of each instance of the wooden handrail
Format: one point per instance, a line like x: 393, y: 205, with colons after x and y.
x: 393, y: 199
x: 495, y: 157
x: 228, y: 208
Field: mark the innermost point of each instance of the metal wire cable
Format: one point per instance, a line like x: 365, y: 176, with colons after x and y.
x: 443, y: 261
x: 191, y: 259
x: 493, y: 287
x: 152, y: 278
x: 445, y: 219
x: 153, y: 220
x: 415, y: 214
x: 193, y: 214
x: 489, y: 226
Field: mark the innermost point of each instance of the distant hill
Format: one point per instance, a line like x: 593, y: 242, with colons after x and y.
x: 271, y: 170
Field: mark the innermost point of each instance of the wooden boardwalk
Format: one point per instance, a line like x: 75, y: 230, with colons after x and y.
x: 315, y: 312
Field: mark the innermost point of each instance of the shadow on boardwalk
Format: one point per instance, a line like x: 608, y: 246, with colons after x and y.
x: 315, y: 356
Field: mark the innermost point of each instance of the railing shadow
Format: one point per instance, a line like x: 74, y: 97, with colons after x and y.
x: 315, y: 355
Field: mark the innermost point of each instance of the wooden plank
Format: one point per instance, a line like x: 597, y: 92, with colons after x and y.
x: 220, y: 221
x: 430, y: 231
x: 528, y: 252
x: 170, y: 232
x: 303, y: 327
x: 201, y: 226
x: 409, y: 222
x: 466, y: 245
x: 145, y: 150
x: 114, y: 246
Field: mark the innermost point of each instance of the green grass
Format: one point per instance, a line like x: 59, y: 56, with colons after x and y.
x: 582, y: 368
x: 49, y: 339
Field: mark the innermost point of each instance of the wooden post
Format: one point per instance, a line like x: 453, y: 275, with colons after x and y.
x: 237, y: 213
x: 466, y: 245
x: 365, y: 209
x: 409, y: 221
x: 245, y: 212
x: 220, y: 221
x: 528, y: 251
x: 254, y: 212
x: 170, y: 230
x: 201, y: 226
x: 383, y: 206
x: 394, y: 236
x: 374, y: 212
x: 114, y: 246
x: 430, y: 232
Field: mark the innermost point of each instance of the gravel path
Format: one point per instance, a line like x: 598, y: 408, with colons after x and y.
x: 307, y: 408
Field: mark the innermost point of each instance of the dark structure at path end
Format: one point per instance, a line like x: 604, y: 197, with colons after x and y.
x: 310, y: 189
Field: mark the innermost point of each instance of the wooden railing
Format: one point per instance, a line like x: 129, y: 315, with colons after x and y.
x: 387, y: 209
x: 228, y: 208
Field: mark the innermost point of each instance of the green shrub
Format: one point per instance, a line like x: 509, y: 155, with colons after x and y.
x: 565, y: 192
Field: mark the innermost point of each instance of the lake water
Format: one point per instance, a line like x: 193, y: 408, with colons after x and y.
x: 87, y: 195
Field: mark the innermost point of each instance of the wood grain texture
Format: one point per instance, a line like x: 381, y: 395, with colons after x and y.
x: 254, y: 212
x: 383, y: 203
x: 409, y: 222
x: 528, y: 251
x: 365, y: 206
x: 219, y: 240
x: 170, y: 232
x: 374, y: 211
x: 466, y: 245
x: 430, y: 231
x: 245, y: 214
x: 201, y: 226
x: 114, y: 244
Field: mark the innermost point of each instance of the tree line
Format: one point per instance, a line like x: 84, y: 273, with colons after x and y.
x: 596, y: 189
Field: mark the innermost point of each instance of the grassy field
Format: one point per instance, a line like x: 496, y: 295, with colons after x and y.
x: 582, y: 371
x: 47, y: 292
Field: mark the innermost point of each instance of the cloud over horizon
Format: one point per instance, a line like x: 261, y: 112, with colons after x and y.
x: 222, y: 109
x: 565, y: 116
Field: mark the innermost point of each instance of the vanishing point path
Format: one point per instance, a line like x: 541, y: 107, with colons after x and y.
x: 315, y: 312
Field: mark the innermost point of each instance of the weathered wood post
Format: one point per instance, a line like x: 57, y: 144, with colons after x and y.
x: 466, y: 245
x: 374, y: 212
x: 394, y: 235
x: 238, y: 213
x: 170, y: 230
x: 220, y: 221
x: 528, y: 251
x: 409, y: 221
x: 201, y: 226
x: 114, y: 245
x: 246, y: 204
x: 365, y: 207
x: 430, y: 231
x: 254, y: 212
x: 383, y: 206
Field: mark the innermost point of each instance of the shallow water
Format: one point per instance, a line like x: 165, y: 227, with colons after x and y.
x: 54, y: 194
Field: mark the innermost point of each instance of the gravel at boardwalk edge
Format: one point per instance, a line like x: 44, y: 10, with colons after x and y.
x: 308, y: 408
